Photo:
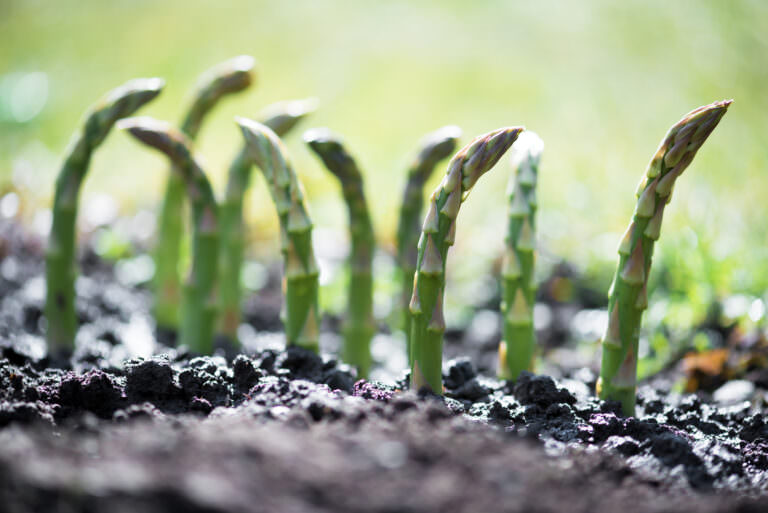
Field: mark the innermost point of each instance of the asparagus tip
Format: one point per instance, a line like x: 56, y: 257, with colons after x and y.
x: 232, y: 75
x: 153, y: 132
x: 527, y: 146
x: 294, y: 108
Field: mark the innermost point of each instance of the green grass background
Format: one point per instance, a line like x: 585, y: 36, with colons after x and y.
x: 600, y: 81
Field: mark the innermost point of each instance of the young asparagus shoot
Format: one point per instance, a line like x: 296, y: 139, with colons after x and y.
x: 226, y: 78
x: 359, y: 327
x: 281, y: 118
x: 300, y: 281
x: 435, y: 147
x: 437, y: 235
x: 628, y: 296
x: 198, y: 302
x: 518, y: 290
x: 60, y: 268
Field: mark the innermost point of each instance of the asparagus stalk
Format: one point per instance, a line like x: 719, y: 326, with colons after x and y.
x: 281, y: 118
x: 434, y: 147
x: 300, y: 284
x: 438, y: 234
x: 358, y: 327
x: 628, y: 296
x: 60, y: 269
x: 518, y: 290
x: 198, y: 302
x: 228, y: 77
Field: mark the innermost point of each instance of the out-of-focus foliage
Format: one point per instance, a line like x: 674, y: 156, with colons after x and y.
x: 600, y: 81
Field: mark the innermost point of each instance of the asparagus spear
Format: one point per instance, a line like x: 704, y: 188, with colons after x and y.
x: 60, y: 271
x: 628, y: 296
x: 434, y: 148
x: 281, y: 118
x: 359, y: 325
x: 300, y: 285
x: 198, y: 302
x: 516, y: 348
x: 226, y: 78
x: 438, y: 234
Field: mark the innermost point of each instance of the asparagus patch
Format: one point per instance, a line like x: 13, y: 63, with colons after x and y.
x: 518, y: 290
x: 281, y: 118
x: 198, y: 304
x: 300, y: 280
x: 628, y: 296
x: 229, y: 77
x: 438, y: 234
x: 60, y: 262
x: 434, y: 147
x: 359, y: 325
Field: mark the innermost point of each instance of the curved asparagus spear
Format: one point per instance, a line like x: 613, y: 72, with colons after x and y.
x: 628, y: 296
x: 435, y: 147
x: 281, y: 118
x: 438, y: 234
x: 198, y: 305
x: 516, y: 348
x: 60, y: 270
x: 359, y: 325
x: 226, y: 78
x: 300, y: 285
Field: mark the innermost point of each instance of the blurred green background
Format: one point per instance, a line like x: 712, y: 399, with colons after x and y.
x: 600, y: 81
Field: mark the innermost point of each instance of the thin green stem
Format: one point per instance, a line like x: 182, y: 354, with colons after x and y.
x: 628, y: 296
x: 518, y: 290
x: 300, y: 282
x: 198, y: 301
x: 281, y: 118
x: 435, y: 147
x: 229, y: 77
x: 437, y: 235
x: 359, y: 327
x: 60, y: 270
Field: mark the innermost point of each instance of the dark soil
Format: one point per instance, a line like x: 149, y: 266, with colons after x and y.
x: 130, y: 423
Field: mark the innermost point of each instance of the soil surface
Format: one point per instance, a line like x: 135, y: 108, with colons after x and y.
x: 131, y: 423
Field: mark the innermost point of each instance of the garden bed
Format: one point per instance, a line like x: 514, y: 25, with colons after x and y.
x: 133, y: 423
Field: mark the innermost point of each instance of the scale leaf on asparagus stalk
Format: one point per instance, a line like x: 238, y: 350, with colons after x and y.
x: 438, y: 234
x: 518, y: 290
x: 435, y: 147
x: 358, y: 328
x: 226, y: 78
x: 198, y: 302
x: 300, y: 280
x: 60, y: 269
x: 281, y: 117
x: 628, y: 296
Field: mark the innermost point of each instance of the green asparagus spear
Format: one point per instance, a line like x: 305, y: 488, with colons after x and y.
x: 281, y: 118
x: 300, y: 284
x: 519, y: 291
x: 198, y: 302
x: 359, y: 327
x: 60, y: 270
x: 438, y: 234
x: 628, y: 296
x: 229, y: 77
x: 434, y: 147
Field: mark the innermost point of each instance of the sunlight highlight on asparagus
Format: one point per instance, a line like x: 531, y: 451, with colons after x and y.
x: 518, y: 290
